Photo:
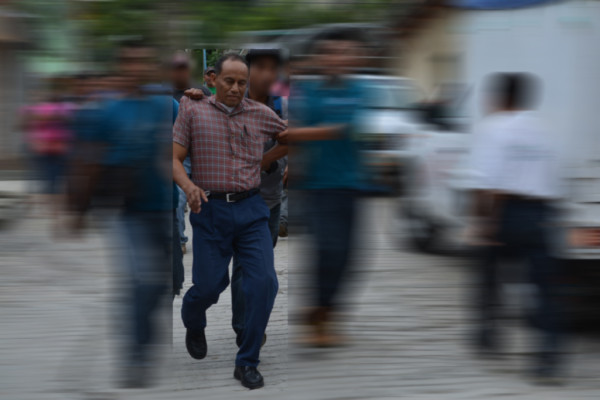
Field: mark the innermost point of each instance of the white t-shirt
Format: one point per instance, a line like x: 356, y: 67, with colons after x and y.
x: 514, y: 153
x: 229, y: 109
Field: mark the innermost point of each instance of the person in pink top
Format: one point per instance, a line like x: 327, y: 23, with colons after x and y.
x: 48, y: 137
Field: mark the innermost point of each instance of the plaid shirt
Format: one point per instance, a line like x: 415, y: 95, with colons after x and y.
x: 226, y: 148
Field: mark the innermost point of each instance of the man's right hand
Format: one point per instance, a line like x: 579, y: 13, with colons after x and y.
x: 194, y: 94
x: 195, y: 196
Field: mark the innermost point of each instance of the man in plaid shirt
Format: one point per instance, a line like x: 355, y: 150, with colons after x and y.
x: 225, y: 135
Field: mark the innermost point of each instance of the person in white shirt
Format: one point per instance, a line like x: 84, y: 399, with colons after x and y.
x: 517, y: 180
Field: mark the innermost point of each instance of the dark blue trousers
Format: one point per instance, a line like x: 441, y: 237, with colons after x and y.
x: 332, y: 228
x: 220, y: 230
x: 523, y: 232
x: 237, y: 293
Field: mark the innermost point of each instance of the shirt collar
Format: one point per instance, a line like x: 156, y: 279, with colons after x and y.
x: 240, y: 107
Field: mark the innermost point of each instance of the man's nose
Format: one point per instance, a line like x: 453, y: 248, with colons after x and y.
x: 235, y: 88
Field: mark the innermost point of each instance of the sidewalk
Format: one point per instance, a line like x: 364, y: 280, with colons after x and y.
x: 408, y: 326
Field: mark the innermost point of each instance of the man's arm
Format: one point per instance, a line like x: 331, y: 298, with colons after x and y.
x: 273, y: 154
x: 194, y: 194
x: 306, y: 134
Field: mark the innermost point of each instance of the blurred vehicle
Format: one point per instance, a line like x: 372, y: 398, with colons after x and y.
x: 436, y: 208
x: 386, y: 125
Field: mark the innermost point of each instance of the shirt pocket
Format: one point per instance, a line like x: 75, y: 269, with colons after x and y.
x: 252, y: 144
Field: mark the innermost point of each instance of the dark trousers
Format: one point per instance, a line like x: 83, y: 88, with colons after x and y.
x: 237, y: 293
x: 523, y: 232
x: 220, y: 230
x: 146, y: 241
x: 178, y: 269
x: 332, y: 226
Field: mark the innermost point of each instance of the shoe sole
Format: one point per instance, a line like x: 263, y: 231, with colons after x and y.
x: 195, y: 356
x: 255, y: 386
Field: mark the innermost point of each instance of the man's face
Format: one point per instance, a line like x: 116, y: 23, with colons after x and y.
x: 138, y: 66
x: 209, y: 79
x: 337, y: 56
x: 231, y: 83
x: 263, y: 74
x: 181, y: 76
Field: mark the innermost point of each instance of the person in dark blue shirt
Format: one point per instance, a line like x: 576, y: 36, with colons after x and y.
x: 325, y: 110
x: 131, y: 138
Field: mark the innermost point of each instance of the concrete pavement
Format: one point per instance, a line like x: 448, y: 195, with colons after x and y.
x: 407, y: 324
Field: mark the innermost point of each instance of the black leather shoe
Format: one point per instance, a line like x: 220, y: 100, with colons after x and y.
x: 195, y: 342
x: 238, y: 340
x: 249, y: 376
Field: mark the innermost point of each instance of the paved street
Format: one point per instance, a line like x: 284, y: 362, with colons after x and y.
x: 407, y: 325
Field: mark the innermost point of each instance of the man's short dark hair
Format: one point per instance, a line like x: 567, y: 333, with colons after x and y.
x: 228, y: 57
x: 339, y: 34
x: 514, y: 91
x: 254, y: 54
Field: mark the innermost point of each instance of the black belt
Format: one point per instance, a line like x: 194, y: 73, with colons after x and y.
x: 230, y: 197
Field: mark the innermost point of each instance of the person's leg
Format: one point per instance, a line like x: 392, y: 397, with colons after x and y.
x: 487, y: 297
x: 178, y: 270
x: 147, y: 241
x: 254, y: 248
x: 544, y: 273
x: 283, y: 221
x: 334, y: 227
x: 274, y: 217
x: 212, y: 241
x: 183, y: 239
x: 237, y: 296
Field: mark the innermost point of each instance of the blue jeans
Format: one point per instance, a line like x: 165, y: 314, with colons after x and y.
x: 237, y: 295
x: 220, y: 230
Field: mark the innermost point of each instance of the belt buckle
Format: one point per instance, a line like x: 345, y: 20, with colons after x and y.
x: 227, y: 197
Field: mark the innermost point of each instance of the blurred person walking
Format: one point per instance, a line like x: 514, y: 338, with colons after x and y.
x: 332, y: 179
x: 225, y: 135
x: 181, y: 76
x: 264, y: 66
x: 181, y: 80
x: 48, y: 135
x: 518, y: 180
x: 128, y: 170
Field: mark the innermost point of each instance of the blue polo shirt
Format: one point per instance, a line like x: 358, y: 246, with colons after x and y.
x: 330, y: 164
x: 137, y: 133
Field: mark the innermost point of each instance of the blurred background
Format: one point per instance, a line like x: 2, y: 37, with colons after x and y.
x: 407, y: 308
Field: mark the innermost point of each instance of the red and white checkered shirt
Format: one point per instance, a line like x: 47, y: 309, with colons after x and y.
x: 226, y: 148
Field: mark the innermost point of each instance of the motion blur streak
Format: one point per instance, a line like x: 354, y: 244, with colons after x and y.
x: 442, y: 237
